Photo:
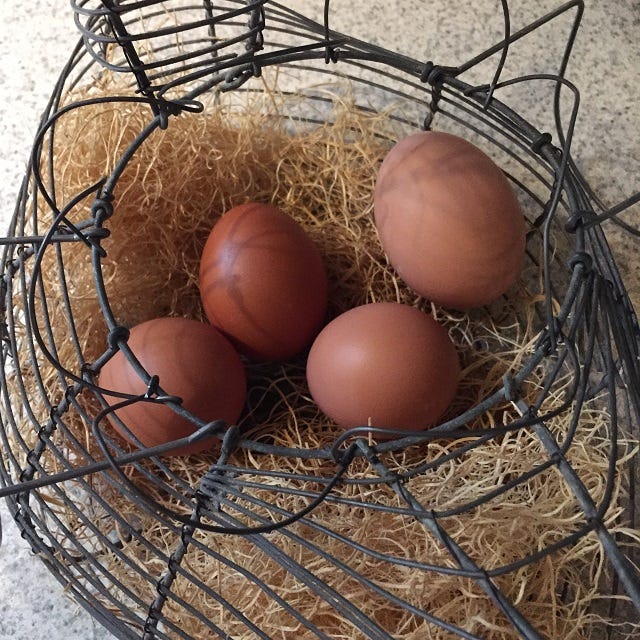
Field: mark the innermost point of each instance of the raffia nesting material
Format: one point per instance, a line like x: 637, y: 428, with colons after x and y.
x: 167, y: 200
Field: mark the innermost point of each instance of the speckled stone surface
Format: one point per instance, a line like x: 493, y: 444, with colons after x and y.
x: 35, y: 39
x: 34, y: 43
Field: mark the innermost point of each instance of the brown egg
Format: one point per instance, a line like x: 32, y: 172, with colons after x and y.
x: 193, y: 361
x: 386, y: 364
x: 263, y: 282
x: 449, y: 220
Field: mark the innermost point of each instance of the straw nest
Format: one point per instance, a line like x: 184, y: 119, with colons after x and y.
x: 167, y: 200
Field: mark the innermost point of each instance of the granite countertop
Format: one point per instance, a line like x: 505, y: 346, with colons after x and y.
x: 36, y: 38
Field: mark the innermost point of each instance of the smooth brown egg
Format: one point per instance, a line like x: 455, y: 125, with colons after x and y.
x: 193, y: 361
x: 384, y: 364
x: 448, y: 220
x: 263, y: 282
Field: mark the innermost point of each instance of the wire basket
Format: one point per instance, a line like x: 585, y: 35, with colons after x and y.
x: 178, y: 59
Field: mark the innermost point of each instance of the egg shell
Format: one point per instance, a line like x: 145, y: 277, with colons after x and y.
x: 448, y: 220
x: 263, y: 282
x: 195, y: 362
x: 386, y: 364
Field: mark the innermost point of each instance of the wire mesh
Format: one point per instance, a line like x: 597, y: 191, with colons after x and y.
x: 60, y: 493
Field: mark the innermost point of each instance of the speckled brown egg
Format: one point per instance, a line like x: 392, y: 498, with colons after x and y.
x: 193, y: 361
x: 448, y: 220
x: 263, y: 282
x: 384, y: 364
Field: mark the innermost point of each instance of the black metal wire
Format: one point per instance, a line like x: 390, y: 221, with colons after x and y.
x: 593, y: 337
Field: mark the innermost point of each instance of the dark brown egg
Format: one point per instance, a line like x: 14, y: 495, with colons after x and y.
x: 193, y: 361
x: 263, y: 282
x: 449, y: 220
x: 384, y: 364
